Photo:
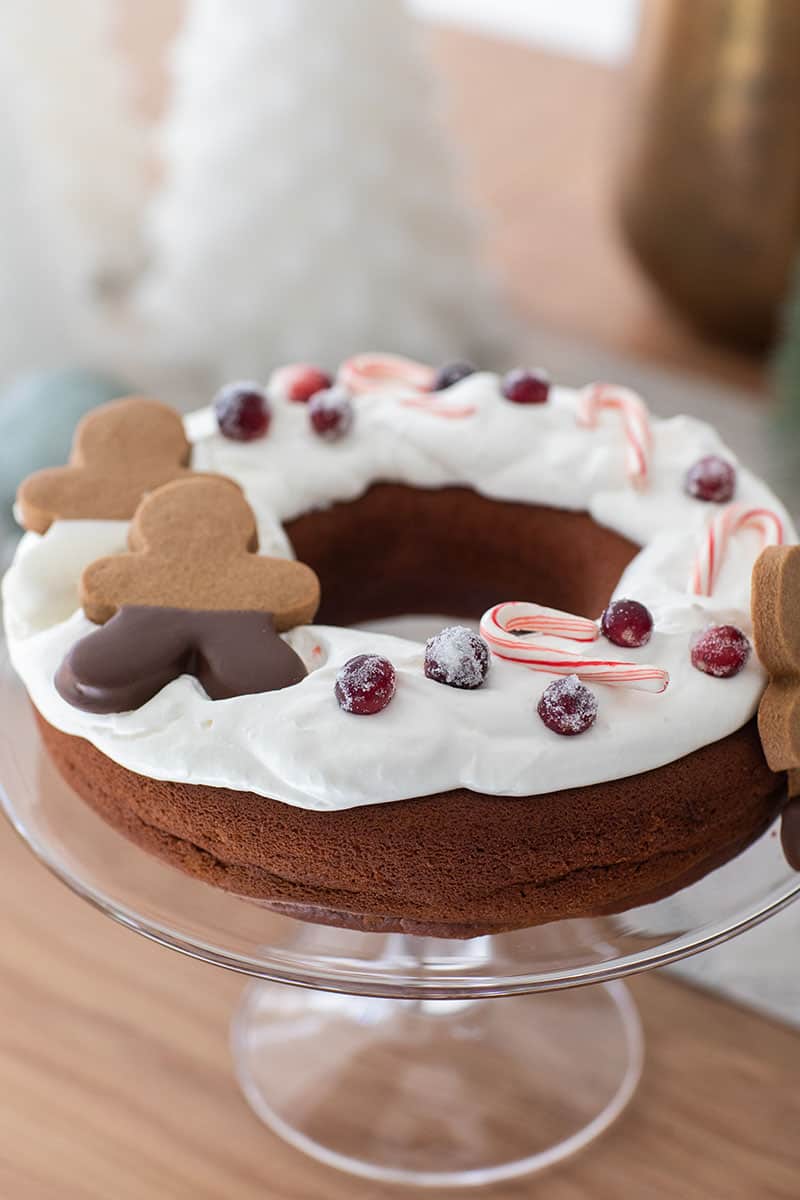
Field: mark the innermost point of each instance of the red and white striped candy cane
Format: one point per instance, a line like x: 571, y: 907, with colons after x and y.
x: 600, y: 397
x: 382, y: 372
x: 411, y: 381
x: 726, y: 524
x: 527, y: 649
x: 535, y: 618
x: 438, y: 408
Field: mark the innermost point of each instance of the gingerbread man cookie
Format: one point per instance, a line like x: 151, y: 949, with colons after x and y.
x: 120, y: 451
x: 192, y: 547
x: 190, y: 597
x: 776, y: 628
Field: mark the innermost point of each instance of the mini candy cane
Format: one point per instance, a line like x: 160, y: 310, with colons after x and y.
x: 725, y: 525
x: 598, y: 397
x: 530, y: 618
x: 385, y: 372
x: 530, y: 652
x: 438, y: 408
x: 392, y: 373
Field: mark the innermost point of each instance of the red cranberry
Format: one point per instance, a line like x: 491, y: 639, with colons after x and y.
x: 242, y: 411
x: 299, y: 382
x: 331, y: 413
x: 526, y: 387
x: 567, y: 706
x: 451, y: 373
x: 458, y: 657
x: 627, y: 623
x: 711, y: 478
x: 365, y: 684
x: 720, y: 650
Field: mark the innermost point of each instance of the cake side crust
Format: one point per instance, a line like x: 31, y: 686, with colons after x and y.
x: 458, y: 864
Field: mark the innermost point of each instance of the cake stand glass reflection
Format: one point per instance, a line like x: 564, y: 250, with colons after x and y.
x: 403, y: 1059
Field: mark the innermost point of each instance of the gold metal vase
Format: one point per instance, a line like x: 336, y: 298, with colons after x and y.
x: 710, y: 186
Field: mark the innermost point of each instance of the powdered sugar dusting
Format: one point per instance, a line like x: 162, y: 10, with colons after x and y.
x: 712, y: 479
x: 720, y: 650
x: 331, y: 413
x: 568, y: 706
x: 365, y: 684
x: 458, y: 657
x: 627, y: 623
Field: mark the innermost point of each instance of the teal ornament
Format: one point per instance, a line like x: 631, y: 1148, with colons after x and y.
x: 38, y: 415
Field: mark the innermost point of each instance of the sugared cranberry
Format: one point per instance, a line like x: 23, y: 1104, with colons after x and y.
x: 331, y: 413
x: 299, y: 382
x: 242, y: 411
x: 627, y: 623
x: 365, y: 684
x: 567, y: 706
x: 526, y: 387
x: 458, y: 657
x: 711, y: 478
x: 720, y: 650
x: 452, y: 373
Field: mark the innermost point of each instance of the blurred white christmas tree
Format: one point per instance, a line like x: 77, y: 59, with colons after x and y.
x: 38, y: 322
x: 85, y: 149
x: 310, y: 207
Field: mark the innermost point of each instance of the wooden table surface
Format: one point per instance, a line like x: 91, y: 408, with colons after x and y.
x: 117, y: 1083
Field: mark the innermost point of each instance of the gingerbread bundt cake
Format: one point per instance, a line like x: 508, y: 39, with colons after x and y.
x: 192, y: 612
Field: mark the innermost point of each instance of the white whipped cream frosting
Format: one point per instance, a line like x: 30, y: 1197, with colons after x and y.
x: 297, y: 745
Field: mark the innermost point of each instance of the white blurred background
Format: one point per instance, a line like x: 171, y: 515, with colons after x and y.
x: 603, y: 30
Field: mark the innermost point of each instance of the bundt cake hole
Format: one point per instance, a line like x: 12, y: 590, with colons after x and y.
x: 400, y: 550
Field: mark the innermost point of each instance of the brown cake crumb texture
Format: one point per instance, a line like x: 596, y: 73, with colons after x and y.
x: 459, y: 863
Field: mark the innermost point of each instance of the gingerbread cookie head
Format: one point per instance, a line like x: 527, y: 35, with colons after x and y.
x: 776, y: 629
x: 192, y: 545
x: 120, y: 451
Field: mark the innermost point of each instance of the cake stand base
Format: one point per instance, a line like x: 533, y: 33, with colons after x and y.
x: 446, y: 1093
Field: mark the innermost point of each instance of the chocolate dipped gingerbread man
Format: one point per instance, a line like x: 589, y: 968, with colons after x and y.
x: 191, y: 596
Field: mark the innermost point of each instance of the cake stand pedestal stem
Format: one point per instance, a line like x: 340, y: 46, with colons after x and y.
x: 437, y: 1092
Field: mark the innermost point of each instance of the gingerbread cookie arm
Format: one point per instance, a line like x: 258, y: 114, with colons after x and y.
x: 60, y: 493
x: 287, y: 589
x: 120, y: 451
x: 110, y: 583
x: 776, y: 629
x: 63, y: 494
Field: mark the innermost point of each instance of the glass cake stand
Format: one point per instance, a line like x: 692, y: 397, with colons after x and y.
x: 403, y: 1059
